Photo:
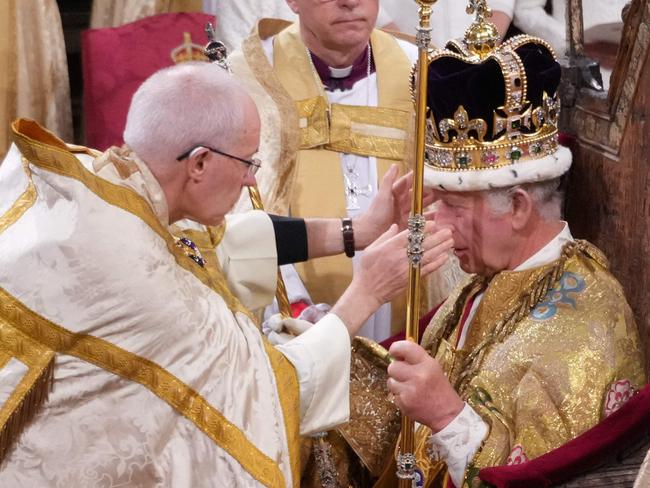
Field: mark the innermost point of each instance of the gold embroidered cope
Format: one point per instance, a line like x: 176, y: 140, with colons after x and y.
x: 34, y: 340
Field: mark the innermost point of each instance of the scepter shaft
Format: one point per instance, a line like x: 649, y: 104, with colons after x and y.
x: 406, y: 466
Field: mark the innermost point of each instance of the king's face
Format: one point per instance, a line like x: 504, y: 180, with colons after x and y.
x: 483, y: 237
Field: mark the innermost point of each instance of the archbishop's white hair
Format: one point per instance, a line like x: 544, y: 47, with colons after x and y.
x: 183, y: 106
x: 546, y: 196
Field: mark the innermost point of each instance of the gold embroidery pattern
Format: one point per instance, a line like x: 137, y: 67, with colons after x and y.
x: 313, y: 122
x: 289, y: 392
x: 543, y: 280
x: 276, y: 198
x: 31, y: 392
x: 4, y: 359
x: 59, y: 160
x: 367, y: 131
x: 374, y: 420
x: 163, y: 384
x: 22, y: 204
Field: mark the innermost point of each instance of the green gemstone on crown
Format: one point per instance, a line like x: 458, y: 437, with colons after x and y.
x: 463, y: 160
x: 515, y: 154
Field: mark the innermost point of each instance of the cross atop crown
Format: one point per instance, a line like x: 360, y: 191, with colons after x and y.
x: 480, y: 8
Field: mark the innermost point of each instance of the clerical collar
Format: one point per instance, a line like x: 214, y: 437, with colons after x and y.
x: 343, y: 78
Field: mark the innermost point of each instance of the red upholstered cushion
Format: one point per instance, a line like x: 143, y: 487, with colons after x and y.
x: 621, y: 429
x: 117, y: 60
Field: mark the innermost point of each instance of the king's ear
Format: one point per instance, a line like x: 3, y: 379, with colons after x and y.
x: 522, y: 208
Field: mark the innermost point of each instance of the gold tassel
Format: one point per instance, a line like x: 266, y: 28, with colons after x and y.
x: 324, y: 464
x: 26, y: 409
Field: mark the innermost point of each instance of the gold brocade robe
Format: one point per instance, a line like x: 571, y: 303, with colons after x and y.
x: 551, y: 351
x: 303, y: 136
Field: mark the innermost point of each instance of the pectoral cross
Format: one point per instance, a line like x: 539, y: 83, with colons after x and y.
x: 354, y: 191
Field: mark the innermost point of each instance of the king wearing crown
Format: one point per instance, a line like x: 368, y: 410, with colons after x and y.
x: 539, y: 344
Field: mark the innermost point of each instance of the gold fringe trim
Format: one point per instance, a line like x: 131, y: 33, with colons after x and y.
x: 31, y: 392
x: 27, y: 409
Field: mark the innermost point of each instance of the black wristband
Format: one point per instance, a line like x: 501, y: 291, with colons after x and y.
x: 290, y: 239
x: 348, y: 236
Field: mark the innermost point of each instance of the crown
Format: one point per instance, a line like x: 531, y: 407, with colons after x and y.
x: 188, y: 51
x: 493, y: 110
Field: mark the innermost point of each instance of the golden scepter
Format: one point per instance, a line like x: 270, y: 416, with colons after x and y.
x: 217, y: 53
x: 406, y: 466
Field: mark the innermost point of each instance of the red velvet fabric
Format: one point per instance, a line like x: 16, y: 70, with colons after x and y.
x: 297, y: 308
x: 117, y: 60
x: 591, y: 449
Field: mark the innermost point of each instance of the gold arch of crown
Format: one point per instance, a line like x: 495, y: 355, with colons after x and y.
x: 188, y: 51
x: 458, y: 143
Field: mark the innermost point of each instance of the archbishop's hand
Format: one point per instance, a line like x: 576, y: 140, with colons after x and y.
x: 381, y: 213
x: 403, y: 200
x: 383, y: 272
x: 420, y: 387
x: 384, y: 266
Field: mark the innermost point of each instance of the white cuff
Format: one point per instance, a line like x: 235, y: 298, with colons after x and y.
x: 248, y: 258
x: 458, y: 442
x: 321, y: 356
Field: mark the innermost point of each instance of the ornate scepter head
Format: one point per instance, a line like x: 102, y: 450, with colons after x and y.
x: 215, y: 50
x: 423, y: 36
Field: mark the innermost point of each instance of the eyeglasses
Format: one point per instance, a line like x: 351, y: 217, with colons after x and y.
x: 253, y: 164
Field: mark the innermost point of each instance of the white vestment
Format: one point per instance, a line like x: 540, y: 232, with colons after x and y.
x: 602, y: 21
x: 105, y: 275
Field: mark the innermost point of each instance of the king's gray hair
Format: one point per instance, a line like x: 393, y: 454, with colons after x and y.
x: 183, y: 106
x: 546, y: 196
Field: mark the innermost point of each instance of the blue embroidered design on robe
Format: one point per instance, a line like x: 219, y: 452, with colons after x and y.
x: 562, y: 293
